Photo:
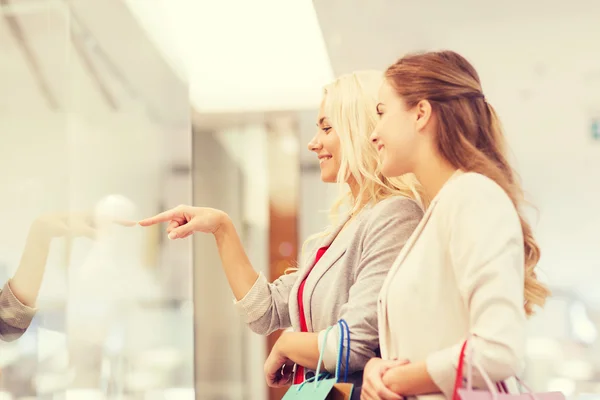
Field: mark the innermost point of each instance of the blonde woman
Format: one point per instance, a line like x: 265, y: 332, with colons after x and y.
x: 346, y: 265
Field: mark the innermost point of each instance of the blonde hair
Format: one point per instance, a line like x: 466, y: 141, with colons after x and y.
x: 351, y: 109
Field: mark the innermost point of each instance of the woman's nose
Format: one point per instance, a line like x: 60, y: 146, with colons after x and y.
x: 374, y: 137
x: 314, y: 144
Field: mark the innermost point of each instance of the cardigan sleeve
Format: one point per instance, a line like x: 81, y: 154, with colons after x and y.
x: 15, y: 317
x: 487, y: 255
x: 265, y: 307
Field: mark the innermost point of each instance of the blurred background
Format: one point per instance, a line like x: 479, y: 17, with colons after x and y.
x: 124, y: 108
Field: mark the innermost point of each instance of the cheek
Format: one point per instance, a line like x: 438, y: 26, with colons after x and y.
x: 330, y: 168
x: 331, y: 144
x: 388, y: 131
x: 398, y: 131
x: 336, y: 152
x: 329, y: 171
x: 398, y: 147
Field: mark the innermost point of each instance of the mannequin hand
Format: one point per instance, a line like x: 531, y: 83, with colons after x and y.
x: 185, y: 220
x: 50, y: 226
x: 373, y: 386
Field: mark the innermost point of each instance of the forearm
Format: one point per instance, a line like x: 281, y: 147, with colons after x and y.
x: 300, y: 347
x: 27, y: 280
x: 410, y: 380
x: 238, y: 269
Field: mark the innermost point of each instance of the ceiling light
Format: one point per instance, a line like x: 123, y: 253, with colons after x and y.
x: 239, y: 55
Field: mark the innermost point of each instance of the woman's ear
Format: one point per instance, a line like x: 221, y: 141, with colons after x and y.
x: 423, y: 113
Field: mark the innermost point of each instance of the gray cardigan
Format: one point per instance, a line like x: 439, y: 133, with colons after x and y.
x: 15, y: 317
x: 345, y: 283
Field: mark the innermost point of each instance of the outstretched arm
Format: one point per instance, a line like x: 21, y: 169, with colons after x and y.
x: 263, y: 305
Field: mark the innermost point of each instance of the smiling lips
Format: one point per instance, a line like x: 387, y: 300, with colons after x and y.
x: 323, y: 158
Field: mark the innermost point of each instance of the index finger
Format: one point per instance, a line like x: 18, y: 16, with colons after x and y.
x: 124, y: 222
x: 162, y: 217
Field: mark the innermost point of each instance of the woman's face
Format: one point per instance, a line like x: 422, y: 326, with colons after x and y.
x: 326, y: 145
x: 396, y: 133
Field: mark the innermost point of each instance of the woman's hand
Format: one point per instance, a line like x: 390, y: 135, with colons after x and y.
x: 185, y: 220
x: 278, y: 368
x: 373, y: 387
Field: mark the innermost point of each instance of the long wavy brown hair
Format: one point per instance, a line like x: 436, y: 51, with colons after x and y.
x: 469, y: 135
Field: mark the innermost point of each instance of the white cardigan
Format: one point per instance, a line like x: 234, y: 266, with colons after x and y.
x: 460, y: 273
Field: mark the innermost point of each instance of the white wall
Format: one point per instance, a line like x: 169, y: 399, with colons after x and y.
x: 543, y: 76
x: 229, y: 174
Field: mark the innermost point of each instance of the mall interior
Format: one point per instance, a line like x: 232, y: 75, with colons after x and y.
x: 131, y: 107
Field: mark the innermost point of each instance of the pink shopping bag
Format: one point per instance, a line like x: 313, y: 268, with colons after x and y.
x: 496, y: 391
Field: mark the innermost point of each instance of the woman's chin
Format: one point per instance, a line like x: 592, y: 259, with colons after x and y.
x: 391, y: 172
x: 386, y: 171
x: 328, y: 177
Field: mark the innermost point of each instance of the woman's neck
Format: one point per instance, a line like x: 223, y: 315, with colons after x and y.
x: 433, y: 174
x: 354, y: 187
x: 355, y: 191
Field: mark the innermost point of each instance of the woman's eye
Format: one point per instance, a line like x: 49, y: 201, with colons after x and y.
x: 326, y: 129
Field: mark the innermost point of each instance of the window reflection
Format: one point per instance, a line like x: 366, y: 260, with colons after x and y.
x: 87, y: 148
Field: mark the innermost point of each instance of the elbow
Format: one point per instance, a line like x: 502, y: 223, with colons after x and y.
x: 364, y: 345
x: 257, y: 315
x: 257, y: 328
x: 260, y: 328
x: 268, y: 323
x: 11, y: 334
x: 501, y: 362
x: 359, y: 357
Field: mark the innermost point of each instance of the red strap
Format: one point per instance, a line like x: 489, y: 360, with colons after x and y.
x: 459, y: 372
x: 299, y: 376
x: 502, y: 388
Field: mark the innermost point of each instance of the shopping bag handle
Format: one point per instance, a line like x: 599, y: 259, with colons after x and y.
x: 323, y: 375
x: 467, y: 351
x: 321, y: 354
x: 344, y: 335
x: 318, y: 372
x: 344, y: 331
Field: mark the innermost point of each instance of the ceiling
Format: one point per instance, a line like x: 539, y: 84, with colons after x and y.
x: 117, y: 66
x: 98, y: 65
x: 372, y: 34
x: 84, y: 64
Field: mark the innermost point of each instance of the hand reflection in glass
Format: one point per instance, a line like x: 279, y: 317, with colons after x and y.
x: 19, y: 295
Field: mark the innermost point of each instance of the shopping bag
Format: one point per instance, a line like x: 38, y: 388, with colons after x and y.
x: 323, y: 386
x: 496, y: 391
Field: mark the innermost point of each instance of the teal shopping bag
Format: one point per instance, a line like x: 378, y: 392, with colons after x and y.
x: 312, y: 389
x: 323, y: 386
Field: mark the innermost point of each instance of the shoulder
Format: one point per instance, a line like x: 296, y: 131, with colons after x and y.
x: 473, y: 196
x: 472, y: 188
x: 394, y: 207
x: 391, y: 212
